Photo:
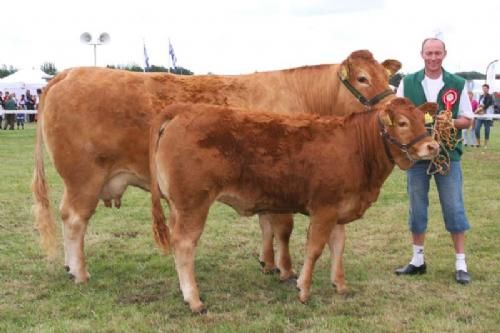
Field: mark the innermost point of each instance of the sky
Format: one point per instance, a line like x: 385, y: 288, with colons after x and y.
x: 235, y: 37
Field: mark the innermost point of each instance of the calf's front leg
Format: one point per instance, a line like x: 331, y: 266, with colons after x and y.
x: 320, y: 228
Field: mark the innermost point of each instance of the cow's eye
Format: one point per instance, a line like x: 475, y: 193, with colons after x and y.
x: 363, y: 79
x: 403, y: 123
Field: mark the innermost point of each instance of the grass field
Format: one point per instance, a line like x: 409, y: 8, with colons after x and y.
x: 135, y: 289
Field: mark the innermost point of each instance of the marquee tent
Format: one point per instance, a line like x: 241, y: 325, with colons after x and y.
x: 24, y: 79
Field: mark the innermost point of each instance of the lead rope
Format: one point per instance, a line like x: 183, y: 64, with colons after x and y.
x: 446, y: 135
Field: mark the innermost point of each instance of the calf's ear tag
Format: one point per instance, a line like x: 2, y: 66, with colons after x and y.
x: 386, y: 120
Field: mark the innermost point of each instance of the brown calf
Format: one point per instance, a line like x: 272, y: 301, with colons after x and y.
x: 329, y: 168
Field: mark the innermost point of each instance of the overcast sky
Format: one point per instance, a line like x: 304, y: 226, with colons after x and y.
x: 233, y: 37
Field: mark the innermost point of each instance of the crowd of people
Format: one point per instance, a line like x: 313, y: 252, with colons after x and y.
x: 10, y: 102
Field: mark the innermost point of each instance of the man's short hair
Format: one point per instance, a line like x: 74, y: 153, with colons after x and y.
x: 486, y: 85
x: 432, y: 38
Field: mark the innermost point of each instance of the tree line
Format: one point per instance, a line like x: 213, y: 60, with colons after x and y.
x: 50, y: 68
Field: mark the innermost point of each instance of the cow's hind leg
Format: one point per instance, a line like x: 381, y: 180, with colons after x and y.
x: 185, y: 235
x: 337, y: 244
x: 320, y: 228
x: 282, y: 225
x: 76, y: 209
x: 266, y: 257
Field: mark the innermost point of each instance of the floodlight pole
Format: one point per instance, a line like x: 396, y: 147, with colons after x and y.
x: 102, y: 39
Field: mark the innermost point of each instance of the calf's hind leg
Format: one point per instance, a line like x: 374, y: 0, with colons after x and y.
x: 282, y: 226
x: 185, y: 235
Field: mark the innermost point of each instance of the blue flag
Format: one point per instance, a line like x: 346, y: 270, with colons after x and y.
x: 146, y: 58
x: 172, y: 54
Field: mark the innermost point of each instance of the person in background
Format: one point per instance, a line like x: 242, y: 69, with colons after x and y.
x: 21, y: 116
x: 37, y: 101
x: 30, y: 105
x: 469, y: 133
x: 1, y: 109
x: 431, y: 84
x: 10, y: 105
x: 485, y: 107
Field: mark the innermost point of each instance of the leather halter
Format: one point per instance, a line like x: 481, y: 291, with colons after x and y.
x: 404, y: 147
x: 360, y: 97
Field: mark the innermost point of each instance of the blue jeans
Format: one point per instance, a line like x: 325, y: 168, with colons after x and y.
x: 450, y: 189
x: 487, y: 125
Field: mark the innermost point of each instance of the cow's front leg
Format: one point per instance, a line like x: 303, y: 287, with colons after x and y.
x: 320, y: 228
x: 337, y: 244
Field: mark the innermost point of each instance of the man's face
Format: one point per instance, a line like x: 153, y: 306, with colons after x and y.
x: 433, y: 54
x: 486, y: 89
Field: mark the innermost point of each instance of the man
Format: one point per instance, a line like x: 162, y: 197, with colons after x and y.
x: 10, y: 118
x: 485, y: 107
x: 1, y: 109
x: 429, y: 85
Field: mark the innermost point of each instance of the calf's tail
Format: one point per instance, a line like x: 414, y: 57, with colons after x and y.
x: 161, y: 232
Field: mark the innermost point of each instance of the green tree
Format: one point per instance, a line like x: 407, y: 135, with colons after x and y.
x: 152, y: 69
x: 6, y: 71
x: 49, y: 68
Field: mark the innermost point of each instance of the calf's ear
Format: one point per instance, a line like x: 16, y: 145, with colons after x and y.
x: 430, y: 108
x: 392, y: 66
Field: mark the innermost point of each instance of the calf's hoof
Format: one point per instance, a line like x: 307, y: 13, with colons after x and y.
x: 303, y: 296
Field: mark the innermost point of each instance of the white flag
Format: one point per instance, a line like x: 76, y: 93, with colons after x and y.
x: 490, y: 77
x: 172, y: 54
x: 146, y: 58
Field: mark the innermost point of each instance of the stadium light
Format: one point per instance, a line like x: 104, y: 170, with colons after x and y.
x: 86, y: 38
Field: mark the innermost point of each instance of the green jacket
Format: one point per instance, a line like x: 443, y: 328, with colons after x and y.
x: 414, y: 91
x: 10, y: 104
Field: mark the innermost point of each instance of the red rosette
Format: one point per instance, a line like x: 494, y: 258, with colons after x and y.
x: 450, y: 97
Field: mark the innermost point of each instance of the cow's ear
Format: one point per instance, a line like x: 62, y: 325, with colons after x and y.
x: 392, y: 66
x: 430, y: 108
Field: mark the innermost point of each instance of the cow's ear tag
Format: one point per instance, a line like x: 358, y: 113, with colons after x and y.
x: 386, y: 120
x: 428, y: 118
x: 344, y: 73
x: 389, y: 73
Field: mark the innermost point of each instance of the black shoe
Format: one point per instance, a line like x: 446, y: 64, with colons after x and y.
x: 462, y: 277
x: 411, y: 270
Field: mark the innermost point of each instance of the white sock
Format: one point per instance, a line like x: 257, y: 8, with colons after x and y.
x: 460, y: 264
x: 418, y: 256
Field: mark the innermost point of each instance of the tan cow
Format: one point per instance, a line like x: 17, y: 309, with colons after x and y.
x: 329, y: 168
x: 95, y: 122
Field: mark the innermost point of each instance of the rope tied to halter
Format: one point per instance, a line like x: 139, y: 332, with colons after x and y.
x: 445, y: 133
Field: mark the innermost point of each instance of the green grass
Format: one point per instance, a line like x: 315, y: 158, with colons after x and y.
x: 135, y: 289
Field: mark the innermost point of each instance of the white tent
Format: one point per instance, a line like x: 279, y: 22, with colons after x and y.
x: 24, y: 79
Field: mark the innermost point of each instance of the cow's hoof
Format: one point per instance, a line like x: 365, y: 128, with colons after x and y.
x: 291, y: 281
x: 262, y: 264
x: 66, y: 268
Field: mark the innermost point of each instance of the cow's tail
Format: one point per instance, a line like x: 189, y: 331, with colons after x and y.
x: 42, y: 209
x: 161, y: 231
